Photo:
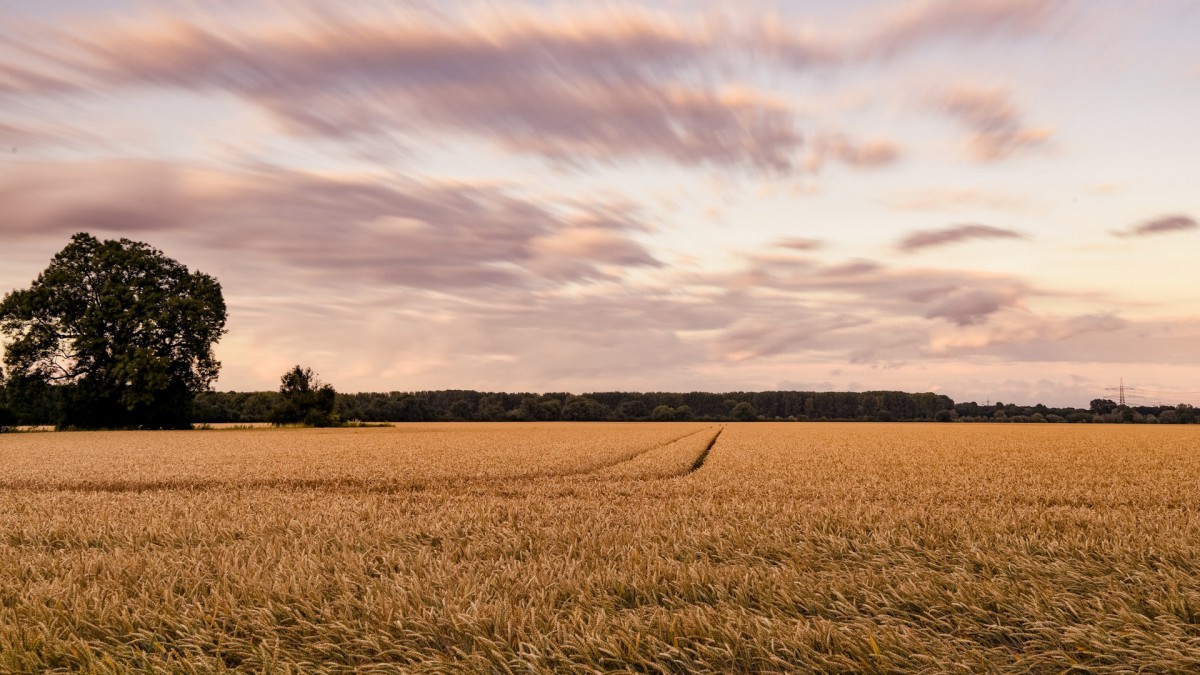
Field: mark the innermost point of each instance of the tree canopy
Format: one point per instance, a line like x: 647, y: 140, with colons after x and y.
x: 127, y: 332
x: 7, y: 418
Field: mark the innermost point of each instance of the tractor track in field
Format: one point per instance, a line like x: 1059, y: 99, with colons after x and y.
x: 703, y: 457
x: 464, y: 484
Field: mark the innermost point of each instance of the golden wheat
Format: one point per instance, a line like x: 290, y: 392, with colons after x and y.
x: 596, y: 548
x: 403, y: 455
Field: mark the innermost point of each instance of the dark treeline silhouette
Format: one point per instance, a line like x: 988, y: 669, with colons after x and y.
x: 634, y: 406
x: 877, y: 406
x: 40, y: 405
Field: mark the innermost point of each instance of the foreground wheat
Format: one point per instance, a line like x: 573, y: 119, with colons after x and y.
x: 590, y: 548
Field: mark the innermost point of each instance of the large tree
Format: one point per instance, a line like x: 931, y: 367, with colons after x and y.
x: 7, y: 419
x: 126, y: 331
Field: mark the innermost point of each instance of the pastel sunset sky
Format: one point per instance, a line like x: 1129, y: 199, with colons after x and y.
x: 990, y: 199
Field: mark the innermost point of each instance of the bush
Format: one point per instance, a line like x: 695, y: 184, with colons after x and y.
x: 584, y: 409
x: 663, y: 413
x: 743, y: 412
x: 632, y: 410
x: 461, y: 410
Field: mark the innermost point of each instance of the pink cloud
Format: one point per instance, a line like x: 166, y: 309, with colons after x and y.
x: 800, y: 243
x: 599, y: 89
x: 873, y: 289
x: 573, y: 87
x: 868, y: 154
x: 950, y: 235
x: 948, y: 199
x: 1163, y: 225
x: 917, y: 23
x: 970, y: 306
x: 906, y: 28
x: 415, y: 233
x: 997, y: 130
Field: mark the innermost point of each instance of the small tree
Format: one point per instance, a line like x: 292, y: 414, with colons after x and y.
x: 743, y: 412
x: 491, y: 409
x: 413, y: 408
x: 460, y: 410
x: 304, y: 399
x: 1185, y: 414
x: 550, y: 409
x: 584, y: 409
x: 632, y: 409
x: 527, y: 411
x: 663, y: 413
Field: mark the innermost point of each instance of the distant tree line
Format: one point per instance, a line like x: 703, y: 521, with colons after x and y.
x: 869, y: 406
x: 301, y: 394
x: 467, y: 405
x: 1100, y: 411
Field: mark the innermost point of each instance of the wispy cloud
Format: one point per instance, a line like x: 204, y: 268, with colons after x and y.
x: 874, y: 289
x: 20, y: 138
x: 1163, y: 225
x: 867, y: 154
x: 969, y: 306
x: 917, y: 23
x: 422, y: 234
x: 574, y: 87
x: 800, y: 243
x: 997, y: 129
x: 907, y: 27
x: 930, y: 238
x: 597, y: 88
x: 951, y: 199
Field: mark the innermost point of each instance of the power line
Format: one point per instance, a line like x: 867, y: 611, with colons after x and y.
x: 1163, y: 392
x: 1120, y: 389
x: 1145, y: 396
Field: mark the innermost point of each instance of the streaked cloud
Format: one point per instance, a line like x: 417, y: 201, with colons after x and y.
x: 996, y: 128
x: 380, y: 230
x: 898, y: 30
x: 868, y: 288
x: 21, y: 138
x: 1163, y: 225
x: 940, y: 199
x: 868, y: 154
x: 597, y: 88
x: 576, y: 88
x: 917, y: 23
x: 923, y: 239
x: 970, y: 306
x: 800, y: 243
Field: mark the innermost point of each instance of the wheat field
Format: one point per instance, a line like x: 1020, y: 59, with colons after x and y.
x: 560, y: 547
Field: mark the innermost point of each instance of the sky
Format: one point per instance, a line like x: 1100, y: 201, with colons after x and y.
x: 988, y: 199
